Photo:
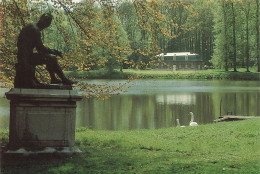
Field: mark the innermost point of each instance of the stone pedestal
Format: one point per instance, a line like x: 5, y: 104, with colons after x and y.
x: 42, y: 121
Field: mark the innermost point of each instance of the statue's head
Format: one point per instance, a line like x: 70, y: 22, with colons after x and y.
x: 45, y: 21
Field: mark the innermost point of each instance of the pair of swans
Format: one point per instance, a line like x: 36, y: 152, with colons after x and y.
x: 192, y: 122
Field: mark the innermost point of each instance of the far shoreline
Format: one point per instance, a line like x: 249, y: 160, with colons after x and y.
x: 210, y: 74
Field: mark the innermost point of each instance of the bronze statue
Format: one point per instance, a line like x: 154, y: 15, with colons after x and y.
x: 30, y: 38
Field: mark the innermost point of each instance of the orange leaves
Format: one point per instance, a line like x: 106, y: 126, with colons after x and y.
x: 5, y: 82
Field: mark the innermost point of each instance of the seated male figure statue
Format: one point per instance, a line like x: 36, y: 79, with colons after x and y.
x: 28, y: 39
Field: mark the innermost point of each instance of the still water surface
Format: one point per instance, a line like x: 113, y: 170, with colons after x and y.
x: 153, y: 104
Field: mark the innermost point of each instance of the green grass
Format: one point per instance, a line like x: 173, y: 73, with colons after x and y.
x: 157, y: 74
x: 228, y: 147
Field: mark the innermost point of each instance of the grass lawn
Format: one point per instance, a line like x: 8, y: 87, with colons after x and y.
x: 202, y: 74
x: 228, y: 147
x: 160, y: 74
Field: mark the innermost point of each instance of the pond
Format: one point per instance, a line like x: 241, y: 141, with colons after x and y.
x: 154, y: 104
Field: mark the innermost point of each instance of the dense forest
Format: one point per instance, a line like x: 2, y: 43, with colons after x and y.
x: 113, y: 34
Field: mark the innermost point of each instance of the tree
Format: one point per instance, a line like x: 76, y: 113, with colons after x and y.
x: 257, y: 35
x: 199, y: 29
x: 116, y: 45
x: 129, y: 20
x: 223, y: 35
x: 159, y: 28
x: 234, y: 37
x: 247, y: 12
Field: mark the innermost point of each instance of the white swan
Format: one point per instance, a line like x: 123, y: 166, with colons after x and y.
x: 178, y: 123
x: 192, y: 123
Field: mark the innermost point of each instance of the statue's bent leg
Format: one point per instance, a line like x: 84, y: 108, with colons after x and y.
x: 51, y: 63
x: 53, y: 67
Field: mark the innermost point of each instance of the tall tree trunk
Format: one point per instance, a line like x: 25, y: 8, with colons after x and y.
x: 243, y: 52
x: 234, y: 39
x: 247, y: 37
x: 225, y: 33
x: 180, y: 38
x: 257, y: 35
x: 197, y: 42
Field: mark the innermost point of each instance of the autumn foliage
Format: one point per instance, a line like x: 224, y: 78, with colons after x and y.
x: 90, y: 34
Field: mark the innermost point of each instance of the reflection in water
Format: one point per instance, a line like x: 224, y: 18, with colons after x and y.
x: 153, y: 104
x: 184, y: 99
x: 158, y: 111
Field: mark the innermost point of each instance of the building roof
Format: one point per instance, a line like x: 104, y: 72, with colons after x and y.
x: 180, y: 56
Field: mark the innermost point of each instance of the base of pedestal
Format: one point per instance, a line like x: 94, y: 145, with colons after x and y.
x: 47, y: 151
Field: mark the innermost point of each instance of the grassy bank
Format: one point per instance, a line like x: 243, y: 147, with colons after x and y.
x: 156, y: 74
x: 230, y: 147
